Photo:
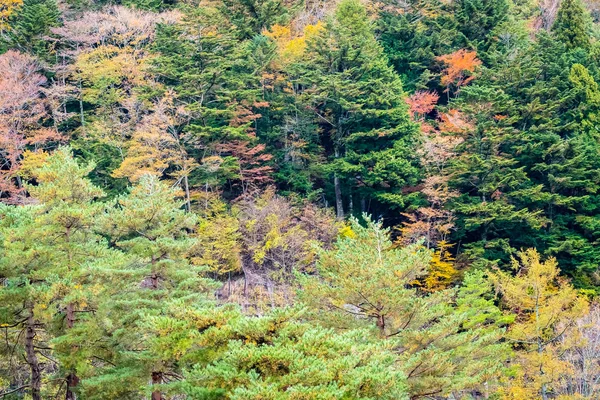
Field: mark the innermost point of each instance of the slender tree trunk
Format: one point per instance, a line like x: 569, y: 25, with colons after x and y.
x: 351, y: 203
x: 81, y: 104
x: 70, y: 315
x: 72, y: 379
x: 339, y: 203
x: 32, y: 360
x: 381, y: 324
x: 156, y: 380
x: 186, y: 185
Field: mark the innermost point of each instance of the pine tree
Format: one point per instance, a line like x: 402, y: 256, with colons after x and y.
x: 163, y: 300
x: 53, y: 259
x: 279, y: 357
x: 365, y: 281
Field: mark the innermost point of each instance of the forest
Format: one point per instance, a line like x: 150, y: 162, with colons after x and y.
x: 299, y: 199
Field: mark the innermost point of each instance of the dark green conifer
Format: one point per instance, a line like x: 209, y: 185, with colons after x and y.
x: 572, y: 24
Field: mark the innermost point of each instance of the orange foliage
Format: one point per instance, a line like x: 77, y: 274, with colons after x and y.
x: 254, y: 174
x: 454, y: 122
x: 421, y: 103
x: 459, y: 68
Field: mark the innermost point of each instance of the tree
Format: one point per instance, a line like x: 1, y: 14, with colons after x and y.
x: 51, y: 259
x: 413, y: 34
x: 24, y: 114
x: 279, y: 357
x: 220, y: 88
x: 278, y: 239
x: 156, y: 146
x: 478, y: 18
x: 26, y: 29
x: 459, y: 68
x: 103, y: 59
x: 572, y: 24
x: 161, y: 287
x: 251, y: 17
x: 582, y: 344
x: 448, y: 341
x: 8, y: 8
x: 547, y: 308
x: 359, y: 104
x: 526, y: 167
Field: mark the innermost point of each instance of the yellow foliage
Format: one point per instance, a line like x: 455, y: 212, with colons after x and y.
x: 110, y: 67
x: 311, y: 31
x: 217, y: 239
x: 7, y: 9
x: 347, y: 232
x: 278, y: 32
x: 441, y: 269
x: 289, y: 46
x: 546, y: 307
x: 32, y: 160
x: 152, y: 148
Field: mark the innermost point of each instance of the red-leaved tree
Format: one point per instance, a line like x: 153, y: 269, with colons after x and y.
x: 24, y: 113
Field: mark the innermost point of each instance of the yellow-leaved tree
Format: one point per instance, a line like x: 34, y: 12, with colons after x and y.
x: 7, y: 9
x: 547, y: 308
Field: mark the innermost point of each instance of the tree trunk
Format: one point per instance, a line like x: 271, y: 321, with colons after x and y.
x: 72, y: 382
x: 81, y: 105
x: 157, y: 380
x: 351, y: 204
x: 339, y: 203
x: 32, y: 360
x: 72, y: 379
x: 188, y: 204
x: 544, y: 392
x: 381, y: 324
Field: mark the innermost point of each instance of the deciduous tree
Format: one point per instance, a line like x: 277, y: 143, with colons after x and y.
x: 547, y: 308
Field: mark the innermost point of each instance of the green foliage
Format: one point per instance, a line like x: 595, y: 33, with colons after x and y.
x: 447, y: 340
x: 251, y: 17
x: 156, y: 291
x: 278, y: 357
x: 359, y: 103
x: 572, y: 24
x: 28, y: 26
x: 54, y: 262
x: 241, y: 124
x: 478, y: 18
x: 214, y: 74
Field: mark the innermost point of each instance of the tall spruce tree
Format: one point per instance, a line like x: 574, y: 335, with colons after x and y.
x: 359, y: 104
x: 212, y: 73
